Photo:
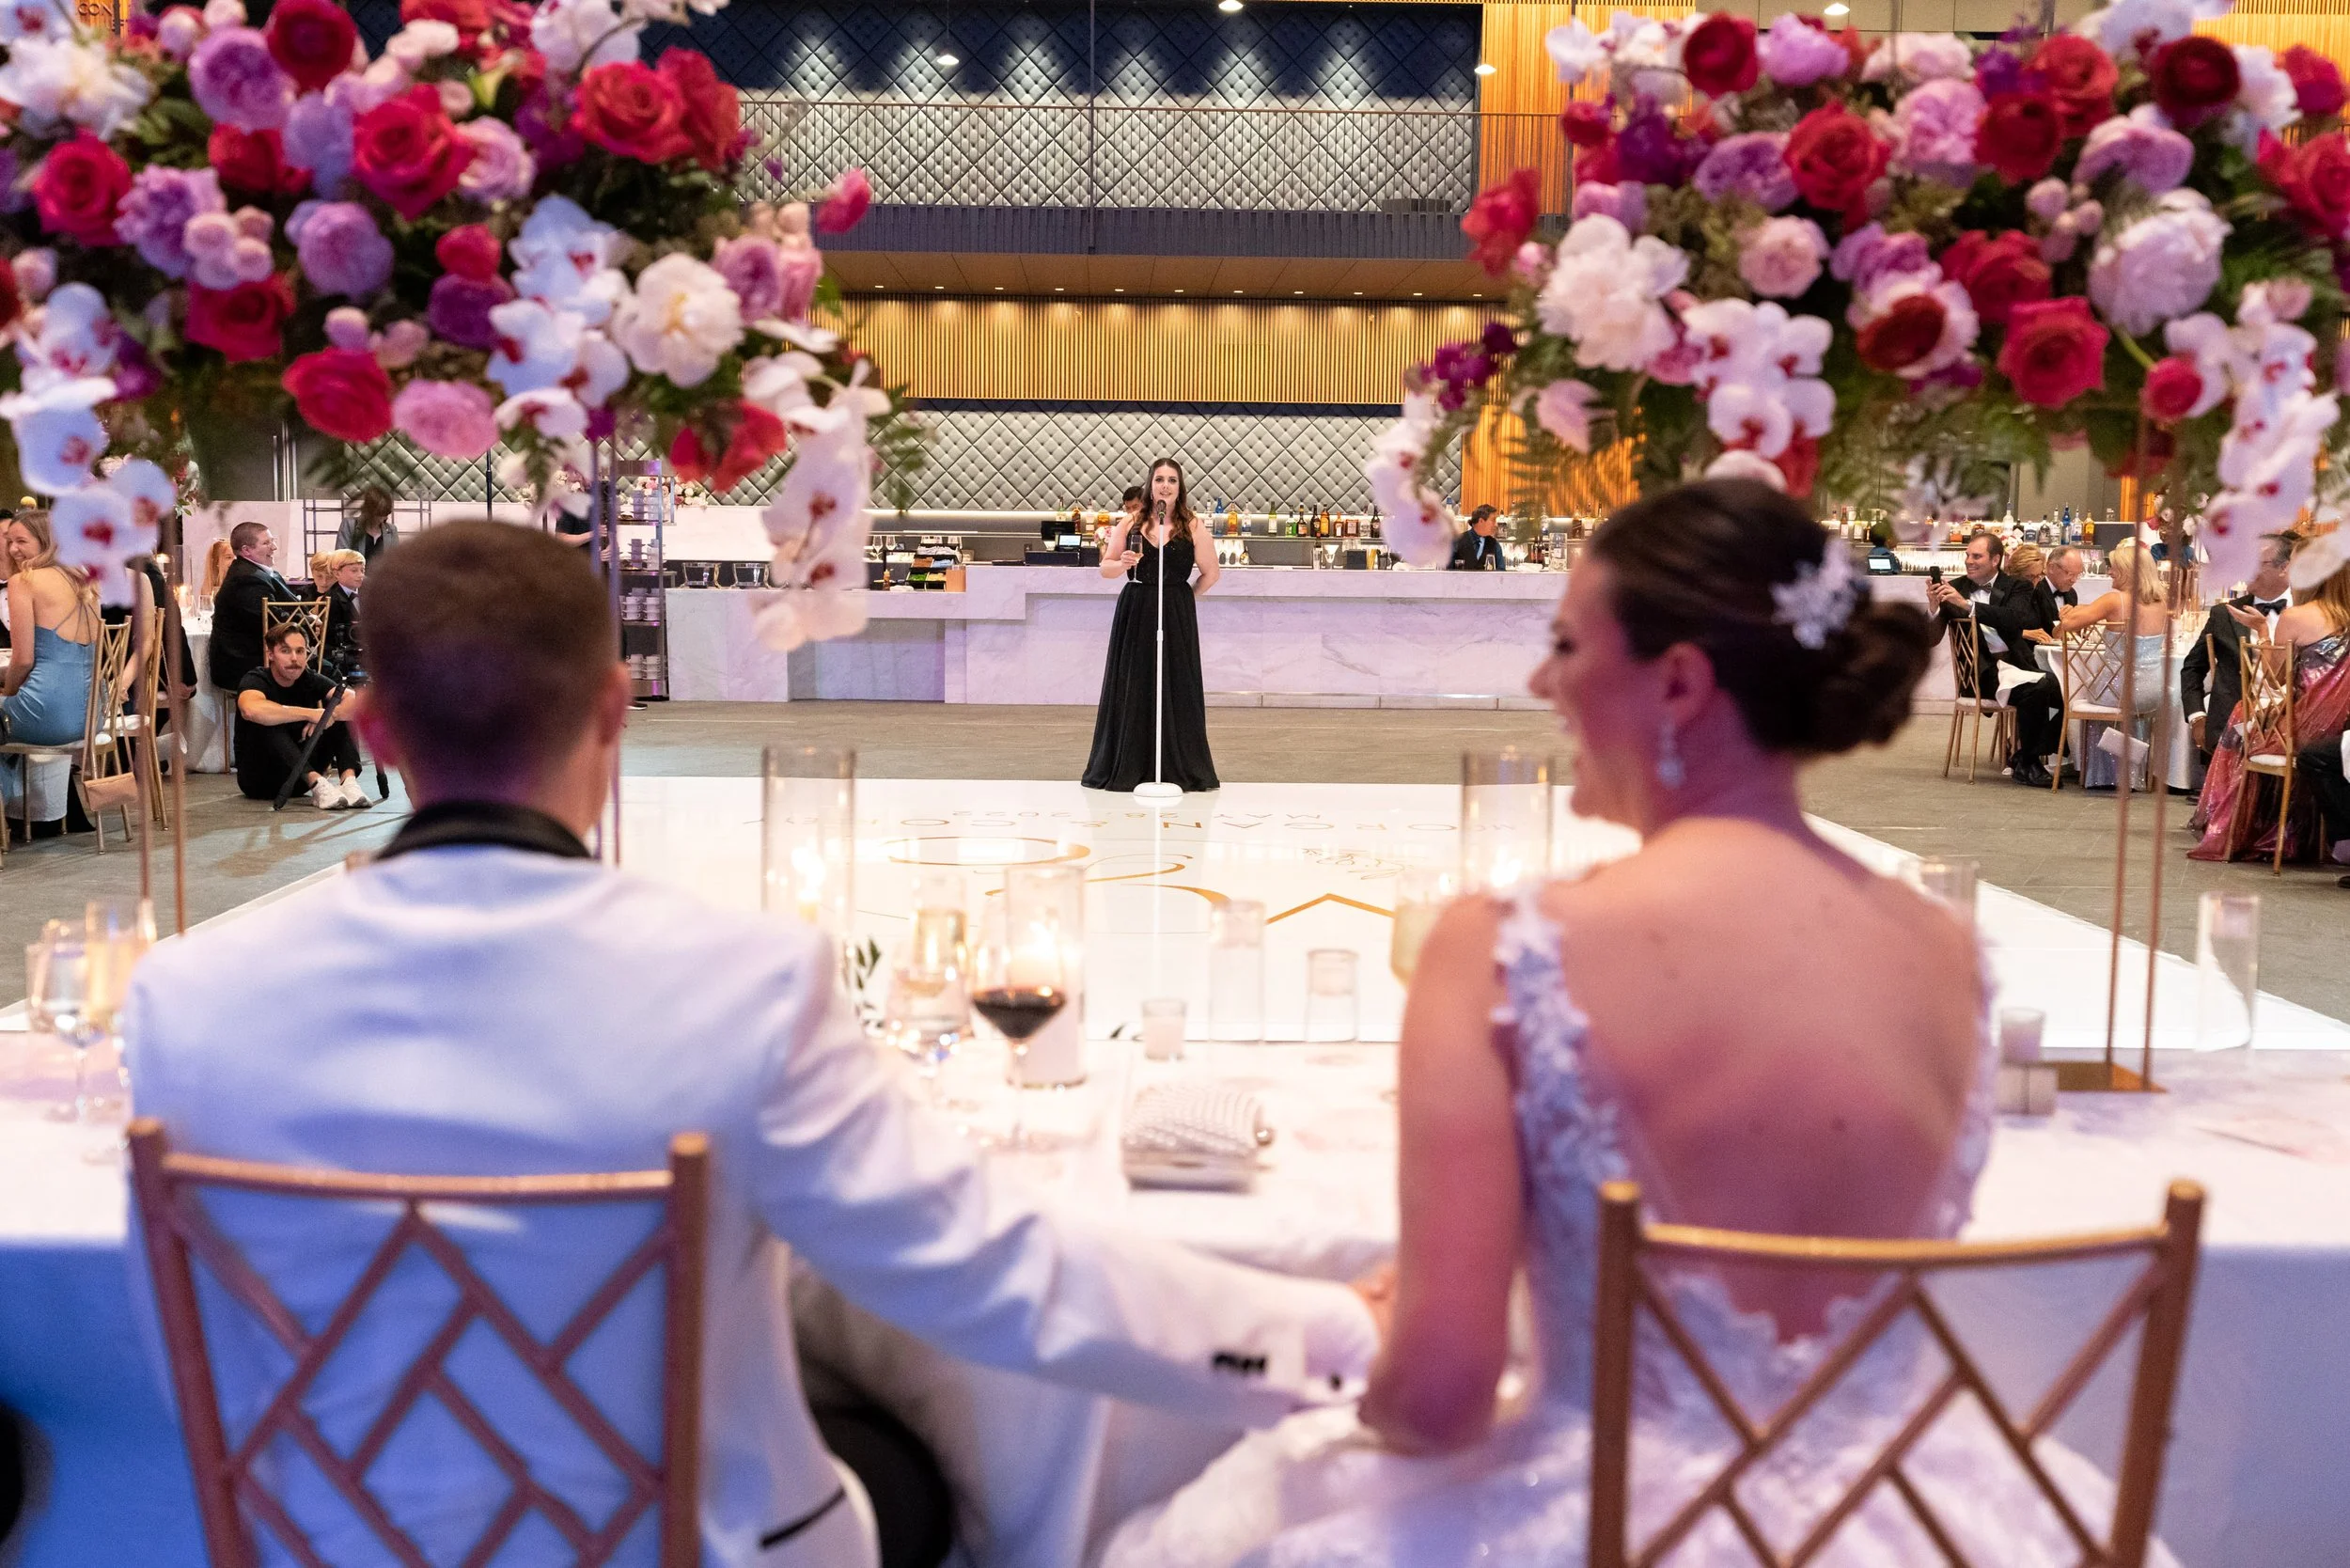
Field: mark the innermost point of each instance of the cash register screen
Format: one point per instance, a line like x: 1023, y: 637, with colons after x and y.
x: 1883, y: 565
x: 1069, y: 541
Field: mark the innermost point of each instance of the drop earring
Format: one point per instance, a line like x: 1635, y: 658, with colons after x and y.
x: 1669, y: 773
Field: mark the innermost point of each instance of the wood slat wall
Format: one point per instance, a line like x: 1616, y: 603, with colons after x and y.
x: 2324, y: 26
x: 1097, y: 351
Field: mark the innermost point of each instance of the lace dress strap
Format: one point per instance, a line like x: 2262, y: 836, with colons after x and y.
x: 1954, y: 1204
x: 1563, y: 1124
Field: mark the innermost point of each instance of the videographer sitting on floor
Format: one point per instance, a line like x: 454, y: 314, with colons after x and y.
x: 278, y: 707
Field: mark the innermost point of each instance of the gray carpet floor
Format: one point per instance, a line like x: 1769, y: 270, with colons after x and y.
x: 2060, y: 849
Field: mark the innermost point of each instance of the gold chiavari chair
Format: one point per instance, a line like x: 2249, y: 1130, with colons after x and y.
x: 1966, y: 666
x: 2089, y: 661
x: 232, y: 1475
x: 1629, y: 1286
x: 2271, y: 749
x: 100, y: 777
x: 309, y: 614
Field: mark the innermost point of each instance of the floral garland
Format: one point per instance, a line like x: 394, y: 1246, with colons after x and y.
x: 1876, y: 271
x: 505, y: 230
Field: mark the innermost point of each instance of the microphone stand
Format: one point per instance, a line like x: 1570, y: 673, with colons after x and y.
x: 1158, y: 790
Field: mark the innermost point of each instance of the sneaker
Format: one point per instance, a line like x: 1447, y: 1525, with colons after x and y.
x: 327, y: 795
x: 355, y: 795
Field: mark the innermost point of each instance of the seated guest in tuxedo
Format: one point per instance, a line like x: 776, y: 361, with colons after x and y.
x: 2040, y: 704
x: 1478, y: 550
x: 487, y: 998
x: 2059, y: 589
x: 278, y: 706
x: 2321, y: 765
x: 345, y: 572
x: 250, y: 582
x: 2002, y: 606
x: 2210, y: 676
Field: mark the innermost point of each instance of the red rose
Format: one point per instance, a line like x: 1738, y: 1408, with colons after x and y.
x: 1800, y: 464
x: 406, y: 153
x: 78, y: 188
x: 1998, y: 273
x: 2193, y: 78
x: 1835, y: 158
x: 245, y: 322
x: 1501, y: 219
x: 2081, y: 76
x: 11, y: 302
x: 312, y: 40
x: 2020, y: 135
x: 2172, y: 389
x: 341, y: 392
x: 1718, y: 54
x: 844, y: 204
x: 469, y: 252
x: 254, y: 162
x: 468, y: 17
x: 1905, y: 333
x: 631, y: 109
x: 708, y: 110
x: 2314, y: 180
x: 2317, y: 90
x: 756, y: 436
x: 1586, y: 125
x: 1598, y: 166
x: 2055, y: 351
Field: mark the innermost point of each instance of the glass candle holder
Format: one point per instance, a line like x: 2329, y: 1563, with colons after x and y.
x: 1505, y: 818
x: 1333, y: 1002
x: 2227, y: 970
x: 1236, y: 971
x: 807, y: 835
x: 1952, y: 882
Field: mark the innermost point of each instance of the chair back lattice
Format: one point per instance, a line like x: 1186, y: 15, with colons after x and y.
x: 2266, y: 697
x: 1632, y: 1250
x: 1966, y: 658
x: 307, y: 616
x: 232, y: 1491
x: 2092, y: 658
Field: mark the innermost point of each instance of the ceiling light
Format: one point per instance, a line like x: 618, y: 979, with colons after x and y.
x: 1117, y: 291
x: 1058, y: 289
x: 1179, y: 291
x: 948, y: 60
x: 941, y: 288
x: 1416, y: 293
x: 1484, y: 68
x: 1298, y: 292
x: 1228, y: 8
x: 1358, y: 293
x: 999, y: 288
x: 1239, y: 290
x: 1840, y: 9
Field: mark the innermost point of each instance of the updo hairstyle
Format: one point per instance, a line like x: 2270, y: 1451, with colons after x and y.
x: 1697, y: 565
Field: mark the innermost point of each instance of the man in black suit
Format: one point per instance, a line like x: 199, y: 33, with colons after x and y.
x: 2321, y: 765
x: 2040, y: 704
x: 2210, y: 676
x: 1478, y: 550
x: 249, y: 583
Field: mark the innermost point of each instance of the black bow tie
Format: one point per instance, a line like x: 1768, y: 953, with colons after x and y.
x: 2270, y: 607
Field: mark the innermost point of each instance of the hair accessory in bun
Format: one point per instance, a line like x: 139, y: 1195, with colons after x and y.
x: 1820, y: 599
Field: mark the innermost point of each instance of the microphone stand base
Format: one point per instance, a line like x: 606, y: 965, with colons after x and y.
x: 1155, y: 792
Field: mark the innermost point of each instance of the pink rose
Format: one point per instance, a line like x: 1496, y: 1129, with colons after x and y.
x: 1781, y: 258
x: 1934, y: 130
x: 845, y: 205
x: 238, y: 82
x: 2172, y: 389
x: 502, y: 169
x: 342, y: 393
x: 447, y: 418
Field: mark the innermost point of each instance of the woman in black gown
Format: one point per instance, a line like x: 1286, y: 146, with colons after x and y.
x: 1122, y: 726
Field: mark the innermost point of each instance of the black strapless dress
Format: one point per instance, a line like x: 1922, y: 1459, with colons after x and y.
x: 1121, y: 725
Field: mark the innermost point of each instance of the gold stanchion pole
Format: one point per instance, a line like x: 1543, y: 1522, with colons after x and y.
x: 2158, y: 780
x: 174, y: 642
x: 143, y: 741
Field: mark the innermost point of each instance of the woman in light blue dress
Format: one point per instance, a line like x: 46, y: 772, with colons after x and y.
x: 53, y: 622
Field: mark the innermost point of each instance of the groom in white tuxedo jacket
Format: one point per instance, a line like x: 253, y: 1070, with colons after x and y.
x: 485, y: 999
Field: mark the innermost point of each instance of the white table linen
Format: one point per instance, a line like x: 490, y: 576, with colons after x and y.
x: 207, y: 710
x: 2257, y: 1472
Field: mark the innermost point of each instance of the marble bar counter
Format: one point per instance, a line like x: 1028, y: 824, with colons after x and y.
x: 1037, y: 634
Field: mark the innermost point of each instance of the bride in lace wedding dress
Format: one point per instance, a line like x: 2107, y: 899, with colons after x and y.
x: 1693, y: 1017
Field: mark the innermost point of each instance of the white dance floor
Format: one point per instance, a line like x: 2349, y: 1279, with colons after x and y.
x: 1323, y: 859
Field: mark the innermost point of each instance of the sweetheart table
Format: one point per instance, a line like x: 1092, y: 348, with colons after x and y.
x: 2259, y: 1471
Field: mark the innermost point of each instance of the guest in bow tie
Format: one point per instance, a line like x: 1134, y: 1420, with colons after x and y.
x: 2209, y: 676
x: 251, y: 583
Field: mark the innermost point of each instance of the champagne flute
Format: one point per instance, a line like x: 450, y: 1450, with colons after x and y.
x: 1019, y: 986
x: 1422, y: 893
x: 117, y: 933
x: 930, y: 1006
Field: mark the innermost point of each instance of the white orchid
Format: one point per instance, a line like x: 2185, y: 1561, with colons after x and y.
x: 147, y: 488
x: 565, y: 259
x: 58, y: 80
x: 548, y: 412
x: 35, y: 19
x: 57, y: 432
x: 2265, y: 99
x: 419, y: 42
x: 2129, y: 24
x: 1740, y: 463
x: 779, y: 383
x: 537, y: 346
x: 1564, y: 408
x: 1417, y: 525
x: 602, y: 370
x: 99, y: 530
x: 71, y: 337
x: 575, y: 34
x: 818, y: 523
x: 2320, y: 558
x: 1575, y: 51
x: 682, y: 319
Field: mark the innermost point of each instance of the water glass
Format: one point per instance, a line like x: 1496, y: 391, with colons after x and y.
x: 1333, y: 1012
x: 2227, y: 970
x: 1038, y: 899
x: 57, y: 1002
x: 807, y: 835
x: 2020, y: 1029
x: 1952, y: 882
x: 1422, y: 893
x: 1505, y: 818
x: 1236, y: 970
x: 1163, y: 1029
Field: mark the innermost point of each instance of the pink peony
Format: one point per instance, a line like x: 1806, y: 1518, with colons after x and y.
x: 1564, y: 408
x: 447, y: 418
x: 1934, y: 130
x: 1795, y: 54
x: 502, y: 167
x: 1781, y: 257
x: 2154, y: 158
x: 1627, y: 203
x: 1754, y: 165
x: 753, y: 268
x: 156, y: 212
x: 318, y: 137
x: 341, y: 250
x: 238, y: 82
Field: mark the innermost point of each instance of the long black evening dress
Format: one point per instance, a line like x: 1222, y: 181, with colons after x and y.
x: 1121, y: 725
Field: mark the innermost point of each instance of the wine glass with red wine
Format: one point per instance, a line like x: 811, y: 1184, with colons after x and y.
x: 1019, y: 985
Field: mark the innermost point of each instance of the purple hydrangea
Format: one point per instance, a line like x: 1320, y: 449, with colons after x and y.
x: 237, y: 80
x: 155, y: 212
x: 1650, y: 150
x: 1754, y: 165
x: 459, y: 309
x: 341, y: 250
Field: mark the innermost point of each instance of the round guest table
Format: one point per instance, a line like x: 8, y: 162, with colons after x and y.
x: 2257, y: 1469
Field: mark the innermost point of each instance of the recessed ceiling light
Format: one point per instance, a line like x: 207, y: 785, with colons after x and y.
x: 1416, y: 293
x: 999, y: 288
x: 941, y: 288
x: 1228, y: 7
x: 1299, y: 291
x: 948, y: 60
x: 1058, y: 289
x: 1476, y: 296
x: 1239, y: 290
x: 1117, y: 291
x: 1358, y: 293
x: 1840, y: 9
x: 1484, y: 68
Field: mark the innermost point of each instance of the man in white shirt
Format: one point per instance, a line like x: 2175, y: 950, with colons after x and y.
x: 485, y: 999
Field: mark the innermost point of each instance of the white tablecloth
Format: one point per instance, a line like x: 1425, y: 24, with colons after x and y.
x: 207, y: 710
x: 2259, y: 1471
x: 2097, y: 765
